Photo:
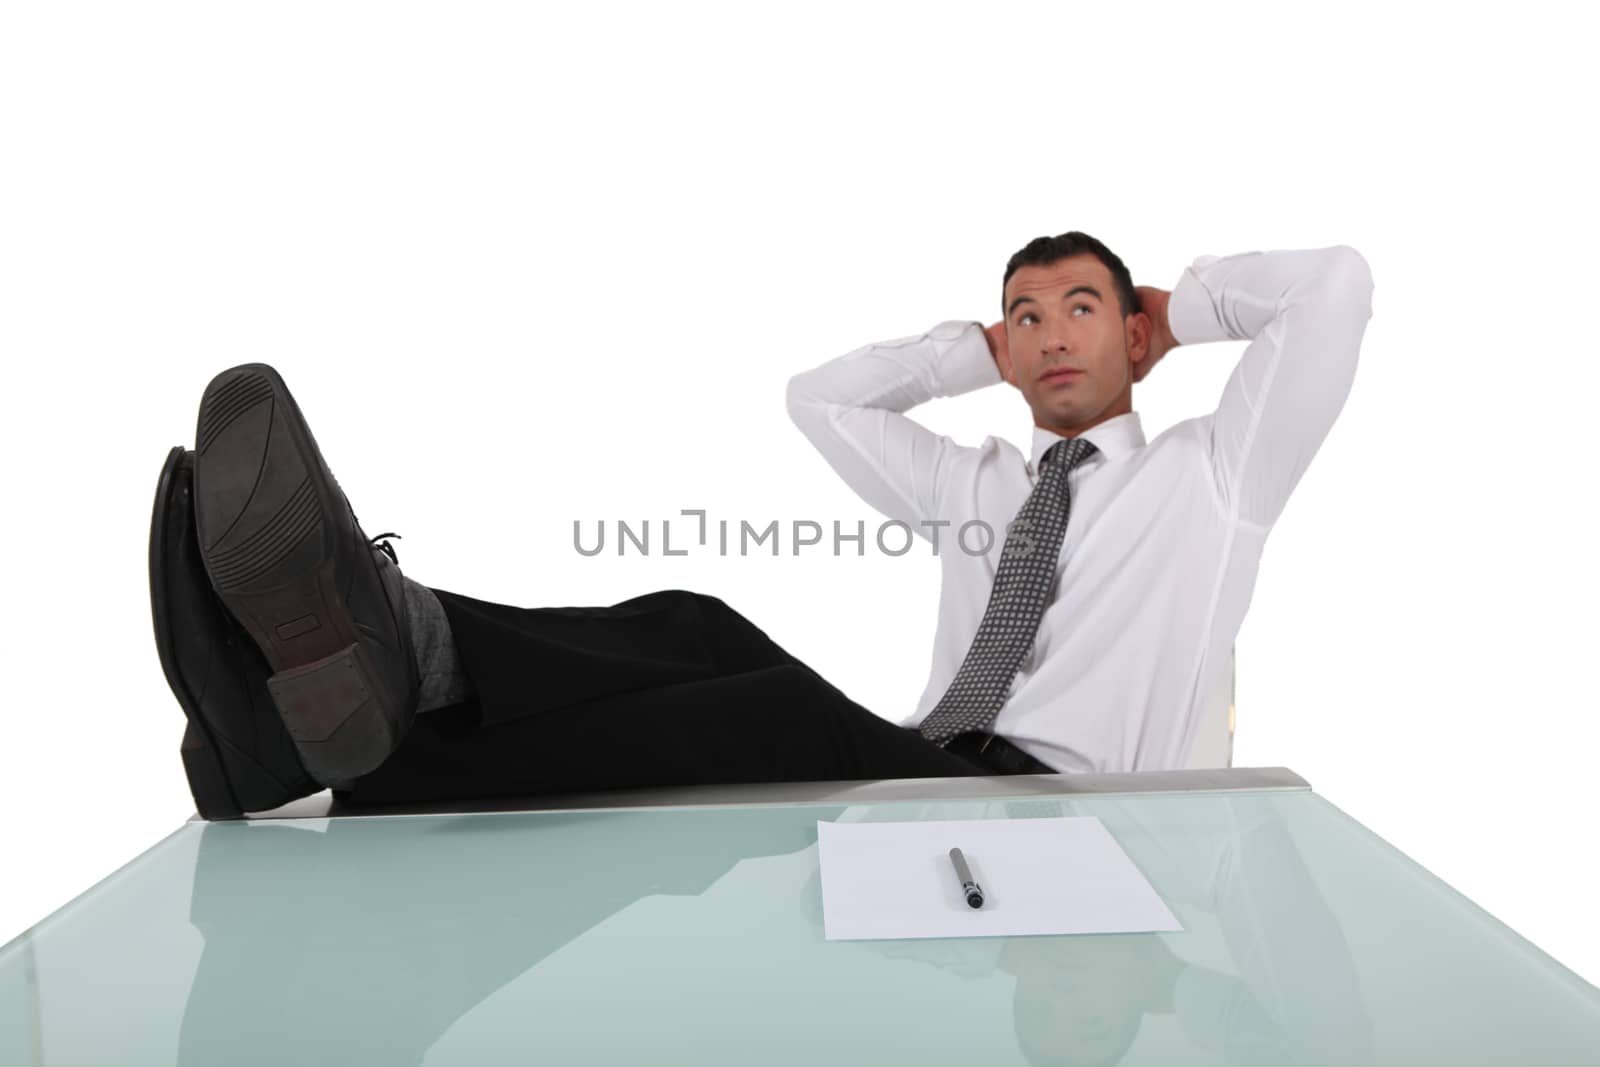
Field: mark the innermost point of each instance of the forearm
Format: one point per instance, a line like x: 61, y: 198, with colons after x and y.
x: 950, y: 359
x: 851, y: 410
x: 1234, y: 298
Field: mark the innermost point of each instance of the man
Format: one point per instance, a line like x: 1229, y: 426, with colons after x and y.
x: 1100, y: 639
x: 304, y: 659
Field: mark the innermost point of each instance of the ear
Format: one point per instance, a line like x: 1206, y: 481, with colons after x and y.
x: 1140, y: 331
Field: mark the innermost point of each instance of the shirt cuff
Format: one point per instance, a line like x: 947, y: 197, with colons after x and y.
x: 1191, y: 315
x: 962, y: 360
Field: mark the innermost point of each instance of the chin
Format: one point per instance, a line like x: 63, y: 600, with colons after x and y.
x: 1070, y: 417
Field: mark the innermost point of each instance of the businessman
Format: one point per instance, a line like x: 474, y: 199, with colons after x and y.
x: 1079, y: 640
x: 1094, y: 647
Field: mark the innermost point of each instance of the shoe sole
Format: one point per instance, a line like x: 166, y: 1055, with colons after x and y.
x: 265, y: 507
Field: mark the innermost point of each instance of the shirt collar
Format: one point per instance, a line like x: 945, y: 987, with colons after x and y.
x: 1114, y: 438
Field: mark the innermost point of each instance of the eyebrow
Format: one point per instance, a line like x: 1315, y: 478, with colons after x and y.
x: 1074, y: 291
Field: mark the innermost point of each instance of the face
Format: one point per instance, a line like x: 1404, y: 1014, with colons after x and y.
x: 1081, y: 1000
x: 1062, y: 318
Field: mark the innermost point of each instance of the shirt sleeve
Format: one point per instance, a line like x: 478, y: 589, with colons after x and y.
x: 852, y: 409
x: 1304, y: 313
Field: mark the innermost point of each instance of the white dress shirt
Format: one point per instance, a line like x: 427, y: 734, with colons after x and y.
x: 1165, y: 538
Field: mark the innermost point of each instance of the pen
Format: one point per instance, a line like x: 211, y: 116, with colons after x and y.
x: 973, y: 893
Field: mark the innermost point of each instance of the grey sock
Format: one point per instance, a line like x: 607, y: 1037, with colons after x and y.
x: 444, y: 681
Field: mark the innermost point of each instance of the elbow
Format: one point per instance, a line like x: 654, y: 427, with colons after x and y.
x: 1349, y: 276
x: 1340, y: 283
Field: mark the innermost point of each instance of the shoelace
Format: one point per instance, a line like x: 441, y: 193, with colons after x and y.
x: 372, y: 542
x: 386, y: 547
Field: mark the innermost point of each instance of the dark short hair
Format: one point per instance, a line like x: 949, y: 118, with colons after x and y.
x: 1042, y: 251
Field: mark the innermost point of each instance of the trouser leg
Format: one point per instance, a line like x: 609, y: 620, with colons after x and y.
x: 773, y: 724
x: 668, y: 689
x: 524, y: 662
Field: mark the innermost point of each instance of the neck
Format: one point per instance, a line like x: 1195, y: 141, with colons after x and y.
x: 1122, y: 407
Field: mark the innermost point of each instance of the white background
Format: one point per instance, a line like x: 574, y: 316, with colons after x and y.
x: 524, y: 266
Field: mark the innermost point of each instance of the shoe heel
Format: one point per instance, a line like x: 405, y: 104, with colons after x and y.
x: 335, y: 714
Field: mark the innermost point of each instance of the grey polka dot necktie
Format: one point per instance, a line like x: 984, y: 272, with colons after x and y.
x: 1017, y: 601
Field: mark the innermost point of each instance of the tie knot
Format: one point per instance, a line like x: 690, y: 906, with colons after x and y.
x: 1069, y: 453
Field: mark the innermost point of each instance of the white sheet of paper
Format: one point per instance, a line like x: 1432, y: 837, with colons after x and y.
x: 1039, y: 876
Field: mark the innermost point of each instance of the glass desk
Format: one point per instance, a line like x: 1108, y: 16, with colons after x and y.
x: 685, y: 927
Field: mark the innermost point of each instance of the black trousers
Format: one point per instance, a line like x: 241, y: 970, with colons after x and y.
x: 666, y: 689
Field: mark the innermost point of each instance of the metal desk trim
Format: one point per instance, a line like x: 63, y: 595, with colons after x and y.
x: 322, y: 805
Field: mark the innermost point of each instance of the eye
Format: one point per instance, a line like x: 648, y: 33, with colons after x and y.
x: 1082, y: 307
x: 1026, y: 315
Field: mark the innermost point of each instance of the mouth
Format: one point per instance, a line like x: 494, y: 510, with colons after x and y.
x: 1060, y: 374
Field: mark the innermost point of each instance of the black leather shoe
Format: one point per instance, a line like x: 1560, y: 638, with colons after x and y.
x: 236, y: 752
x: 289, y: 560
